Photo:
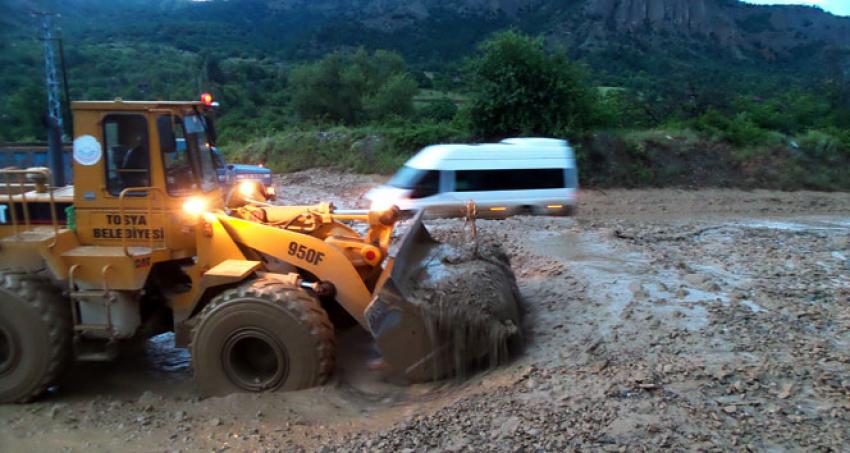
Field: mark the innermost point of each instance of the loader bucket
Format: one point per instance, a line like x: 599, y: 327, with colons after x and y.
x: 440, y: 310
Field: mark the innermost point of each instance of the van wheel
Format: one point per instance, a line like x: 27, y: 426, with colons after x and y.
x: 526, y: 210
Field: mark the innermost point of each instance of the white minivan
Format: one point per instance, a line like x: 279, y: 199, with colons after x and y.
x: 514, y: 176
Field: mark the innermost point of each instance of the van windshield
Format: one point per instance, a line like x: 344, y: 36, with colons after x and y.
x: 422, y: 183
x: 406, y: 177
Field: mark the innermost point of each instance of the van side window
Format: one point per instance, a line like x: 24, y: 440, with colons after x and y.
x: 491, y: 180
x: 127, y: 155
x: 428, y: 184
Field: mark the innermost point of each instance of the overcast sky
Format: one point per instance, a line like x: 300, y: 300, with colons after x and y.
x: 840, y: 7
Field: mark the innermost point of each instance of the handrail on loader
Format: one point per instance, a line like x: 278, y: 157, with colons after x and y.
x: 7, y: 172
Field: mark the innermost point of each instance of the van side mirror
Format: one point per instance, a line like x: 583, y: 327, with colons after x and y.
x: 167, y: 139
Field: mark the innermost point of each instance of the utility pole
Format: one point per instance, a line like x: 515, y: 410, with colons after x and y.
x: 55, y: 155
x: 54, y: 102
x: 68, y: 130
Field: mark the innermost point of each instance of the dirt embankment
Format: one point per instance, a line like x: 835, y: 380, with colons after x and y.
x: 657, y: 319
x: 689, y: 159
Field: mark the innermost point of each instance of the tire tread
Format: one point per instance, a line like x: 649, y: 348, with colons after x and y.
x: 300, y: 304
x: 53, y: 312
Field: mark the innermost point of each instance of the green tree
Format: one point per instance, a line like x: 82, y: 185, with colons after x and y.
x: 621, y: 109
x: 328, y: 90
x: 353, y: 88
x: 442, y: 109
x: 393, y: 98
x: 23, y: 117
x: 518, y: 88
x: 378, y: 68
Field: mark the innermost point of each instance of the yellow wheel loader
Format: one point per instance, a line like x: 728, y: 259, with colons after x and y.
x: 145, y: 242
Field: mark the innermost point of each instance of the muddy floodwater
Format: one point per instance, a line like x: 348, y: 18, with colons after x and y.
x: 655, y: 319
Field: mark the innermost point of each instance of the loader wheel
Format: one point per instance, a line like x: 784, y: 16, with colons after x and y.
x: 262, y: 336
x: 35, y: 337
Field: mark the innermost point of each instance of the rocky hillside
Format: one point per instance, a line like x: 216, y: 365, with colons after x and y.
x: 439, y: 30
x: 770, y: 31
x: 670, y: 52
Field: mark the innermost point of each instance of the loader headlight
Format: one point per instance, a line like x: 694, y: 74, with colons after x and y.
x: 195, y: 206
x: 248, y: 188
x: 382, y: 204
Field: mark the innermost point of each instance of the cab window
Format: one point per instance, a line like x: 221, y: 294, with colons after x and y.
x: 187, y: 155
x: 198, y: 139
x: 179, y: 169
x: 127, y: 152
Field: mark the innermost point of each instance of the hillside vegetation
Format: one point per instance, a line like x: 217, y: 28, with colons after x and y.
x: 739, y: 95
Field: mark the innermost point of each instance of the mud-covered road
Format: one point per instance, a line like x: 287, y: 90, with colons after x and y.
x: 657, y: 319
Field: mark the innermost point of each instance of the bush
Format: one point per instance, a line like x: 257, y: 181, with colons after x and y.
x: 517, y: 88
x: 621, y: 109
x: 841, y: 135
x: 22, y: 116
x: 394, y: 98
x: 442, y: 109
x: 352, y: 89
x: 411, y: 138
x: 671, y: 133
x: 740, y: 130
x: 369, y: 149
x: 789, y: 113
x: 328, y: 90
x: 821, y: 145
x: 821, y: 162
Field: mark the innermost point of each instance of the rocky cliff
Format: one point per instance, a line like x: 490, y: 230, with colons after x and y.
x: 447, y: 29
x: 770, y: 30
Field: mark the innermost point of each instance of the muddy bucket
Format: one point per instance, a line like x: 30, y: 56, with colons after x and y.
x: 441, y: 310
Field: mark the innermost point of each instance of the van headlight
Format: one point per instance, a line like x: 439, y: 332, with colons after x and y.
x: 248, y: 188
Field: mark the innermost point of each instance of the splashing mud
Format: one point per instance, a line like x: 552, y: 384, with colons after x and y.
x: 470, y: 303
x: 447, y: 308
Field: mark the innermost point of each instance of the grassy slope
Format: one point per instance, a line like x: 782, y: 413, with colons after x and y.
x: 640, y: 158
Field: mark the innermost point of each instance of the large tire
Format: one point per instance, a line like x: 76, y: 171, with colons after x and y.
x: 35, y: 337
x: 262, y: 336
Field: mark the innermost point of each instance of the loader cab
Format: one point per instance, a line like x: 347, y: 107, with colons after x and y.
x: 135, y: 164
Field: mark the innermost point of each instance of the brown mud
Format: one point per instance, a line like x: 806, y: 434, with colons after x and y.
x: 707, y: 320
x: 469, y: 297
